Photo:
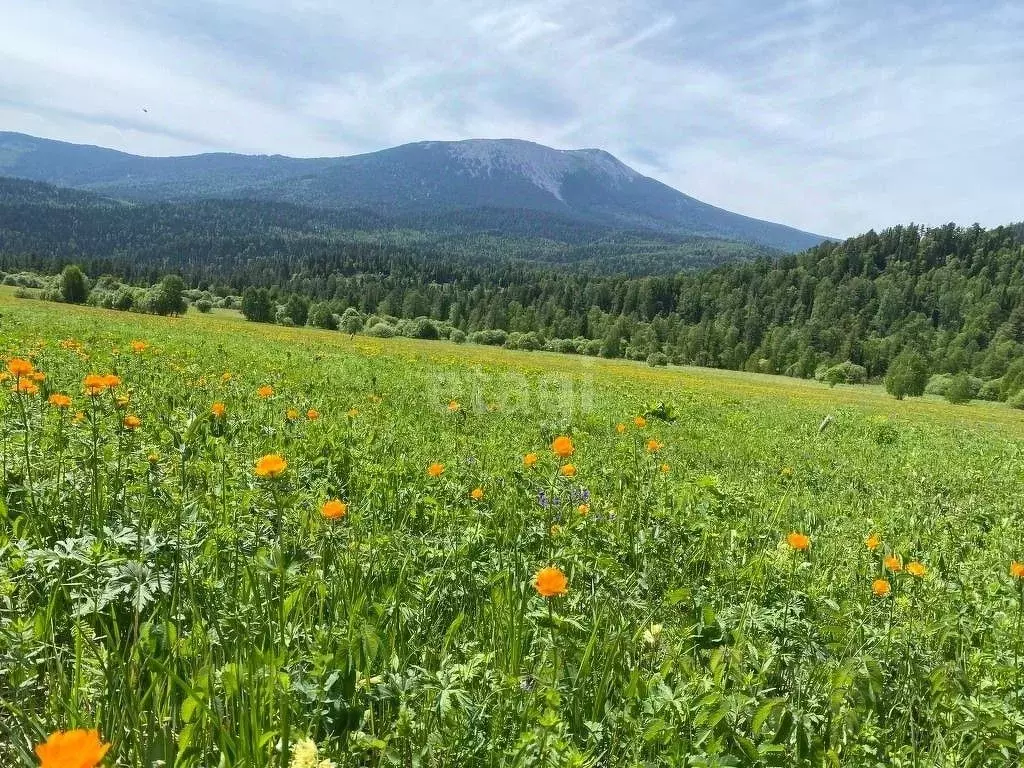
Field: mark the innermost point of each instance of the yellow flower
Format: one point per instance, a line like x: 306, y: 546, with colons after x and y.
x: 556, y: 529
x: 435, y: 470
x: 121, y: 401
x: 270, y: 466
x: 583, y: 510
x: 225, y: 377
x: 79, y: 417
x: 892, y: 562
x: 916, y: 569
x: 880, y: 588
x: 153, y: 458
x: 352, y: 413
x: 477, y: 494
x: 304, y: 754
x: 550, y: 582
x: 798, y: 541
x: 72, y: 749
x: 665, y: 468
x: 620, y: 428
x: 218, y: 410
x: 132, y: 422
x: 529, y: 459
x: 872, y: 541
x: 640, y: 422
x: 291, y: 414
x: 453, y: 406
x: 562, y: 447
x: 334, y: 509
x: 652, y: 633
x: 568, y: 470
x: 265, y: 391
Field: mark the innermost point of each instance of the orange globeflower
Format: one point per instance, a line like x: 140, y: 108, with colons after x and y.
x: 1017, y: 570
x: 620, y: 428
x: 435, y: 469
x: 270, y: 466
x: 265, y: 391
x: 26, y: 386
x: 57, y: 400
x: 529, y: 459
x: 93, y: 385
x: 562, y: 447
x: 453, y: 406
x: 653, y: 446
x: 550, y: 582
x: 79, y: 417
x: 583, y: 510
x: 19, y: 367
x: 916, y: 569
x: 132, y: 422
x: 218, y: 410
x: 872, y: 541
x: 665, y: 468
x: 880, y: 588
x: 226, y: 376
x: 892, y: 562
x: 312, y: 414
x: 37, y: 376
x: 640, y: 422
x: 798, y: 541
x: 334, y: 509
x: 138, y: 347
x: 111, y: 380
x: 568, y: 470
x: 477, y: 494
x: 72, y: 749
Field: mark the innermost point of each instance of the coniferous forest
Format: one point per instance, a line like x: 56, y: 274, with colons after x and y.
x: 951, y: 296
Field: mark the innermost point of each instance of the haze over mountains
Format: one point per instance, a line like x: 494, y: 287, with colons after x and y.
x: 474, y: 185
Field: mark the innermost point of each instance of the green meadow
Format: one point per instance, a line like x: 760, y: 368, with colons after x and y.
x: 199, y: 613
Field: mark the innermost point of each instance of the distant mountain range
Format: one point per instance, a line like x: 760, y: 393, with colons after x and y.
x: 478, y: 185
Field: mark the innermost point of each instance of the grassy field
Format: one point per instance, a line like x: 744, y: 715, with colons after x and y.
x: 166, y: 583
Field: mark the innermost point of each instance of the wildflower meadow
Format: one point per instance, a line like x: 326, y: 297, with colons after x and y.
x: 225, y: 546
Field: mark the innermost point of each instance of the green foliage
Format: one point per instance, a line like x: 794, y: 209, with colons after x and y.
x: 257, y: 306
x: 296, y: 309
x: 961, y: 389
x: 844, y: 373
x: 907, y: 375
x: 73, y: 287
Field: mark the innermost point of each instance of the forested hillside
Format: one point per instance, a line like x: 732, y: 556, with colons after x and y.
x: 956, y: 295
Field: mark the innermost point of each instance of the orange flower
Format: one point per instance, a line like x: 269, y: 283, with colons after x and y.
x: 37, y: 376
x: 218, y: 410
x: 58, y: 400
x: 435, y: 469
x: 270, y: 466
x: 562, y: 447
x: 665, y: 468
x: 620, y: 428
x: 477, y: 494
x: 893, y: 563
x: 568, y: 470
x: 19, y: 367
x: 1017, y: 570
x: 798, y: 541
x: 94, y: 384
x: 872, y: 541
x: 138, y: 347
x: 916, y: 569
x: 529, y: 459
x: 265, y: 391
x: 72, y: 749
x: 312, y: 414
x: 132, y: 422
x: 653, y: 446
x: 583, y: 510
x: 880, y: 588
x: 291, y: 414
x: 79, y: 417
x: 111, y: 380
x: 334, y: 509
x: 640, y: 422
x: 453, y: 406
x: 550, y: 582
x: 26, y: 386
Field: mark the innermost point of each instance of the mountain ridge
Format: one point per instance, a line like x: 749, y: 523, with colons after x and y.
x: 587, y: 184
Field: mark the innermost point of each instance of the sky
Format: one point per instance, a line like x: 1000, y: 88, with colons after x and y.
x: 834, y: 117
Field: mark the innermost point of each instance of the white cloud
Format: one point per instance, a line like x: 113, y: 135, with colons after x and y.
x: 833, y: 117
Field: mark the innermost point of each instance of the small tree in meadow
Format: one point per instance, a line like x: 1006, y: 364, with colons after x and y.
x: 73, y: 288
x: 907, y: 375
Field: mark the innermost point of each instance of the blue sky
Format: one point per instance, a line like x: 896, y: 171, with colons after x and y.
x: 835, y: 117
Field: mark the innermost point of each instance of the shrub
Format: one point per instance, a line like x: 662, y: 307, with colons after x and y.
x: 991, y: 390
x: 73, y: 288
x: 321, y: 316
x: 1016, y: 400
x: 657, y: 358
x: 907, y: 375
x: 844, y: 373
x: 204, y: 305
x: 256, y: 305
x: 458, y: 336
x: 960, y: 390
x: 382, y: 331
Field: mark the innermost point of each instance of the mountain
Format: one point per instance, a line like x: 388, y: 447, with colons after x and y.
x: 479, y: 181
